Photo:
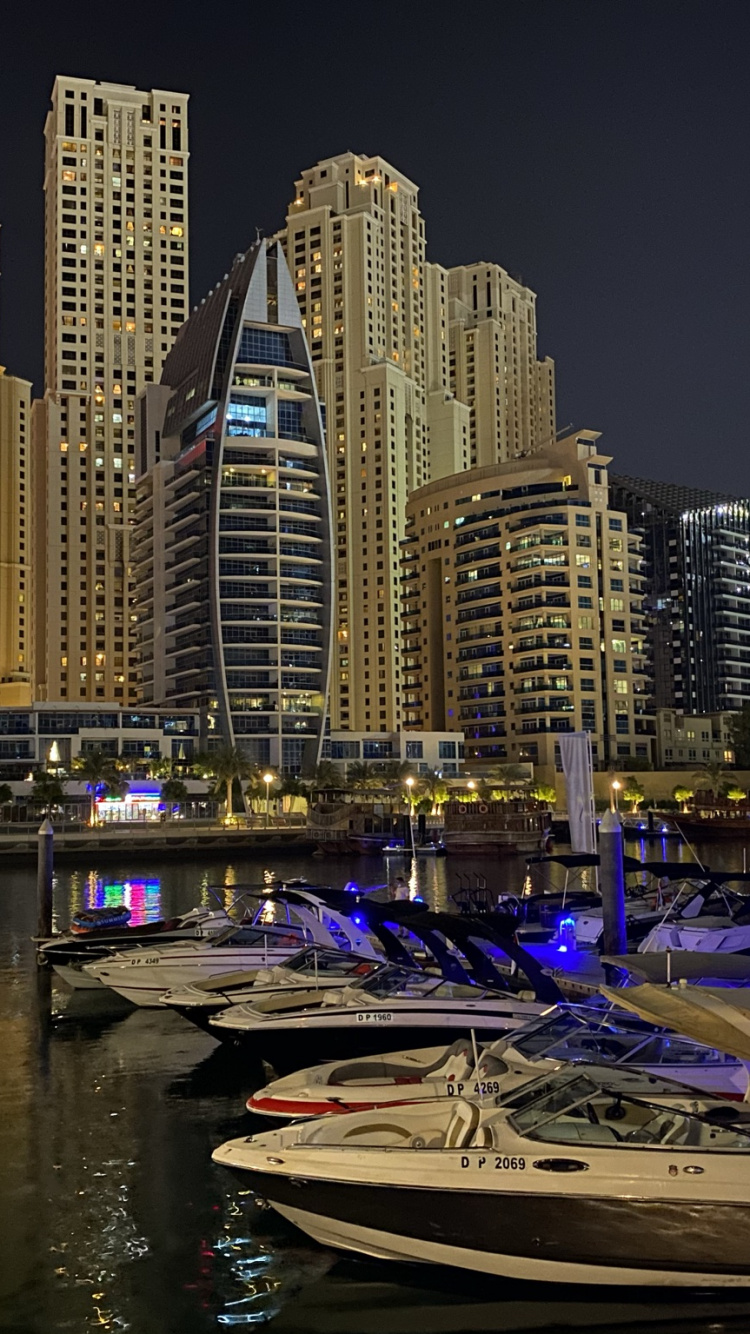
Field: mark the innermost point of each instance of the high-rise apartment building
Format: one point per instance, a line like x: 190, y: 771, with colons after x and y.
x: 16, y: 569
x: 522, y: 610
x: 696, y: 546
x: 494, y: 366
x: 423, y: 372
x: 232, y: 547
x: 355, y: 246
x: 116, y: 292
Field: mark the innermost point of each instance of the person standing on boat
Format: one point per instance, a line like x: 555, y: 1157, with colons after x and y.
x: 400, y: 888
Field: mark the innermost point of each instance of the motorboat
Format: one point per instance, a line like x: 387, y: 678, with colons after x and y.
x: 556, y: 1039
x: 569, y: 1179
x: 143, y: 975
x: 67, y: 951
x: 313, y: 967
x: 415, y: 1007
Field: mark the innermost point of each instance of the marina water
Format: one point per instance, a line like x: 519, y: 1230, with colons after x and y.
x: 112, y: 1215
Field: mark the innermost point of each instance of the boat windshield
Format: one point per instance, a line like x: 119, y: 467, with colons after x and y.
x: 571, y: 1037
x: 256, y: 937
x: 330, y: 963
x: 401, y: 982
x: 575, y: 1109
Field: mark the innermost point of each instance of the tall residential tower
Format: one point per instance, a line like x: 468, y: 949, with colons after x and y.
x: 116, y: 292
x: 16, y: 570
x: 355, y: 246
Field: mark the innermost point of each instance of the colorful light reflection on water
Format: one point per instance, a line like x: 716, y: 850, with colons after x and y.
x: 142, y: 897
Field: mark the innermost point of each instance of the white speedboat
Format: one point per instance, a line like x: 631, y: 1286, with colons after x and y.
x: 313, y: 968
x: 397, y: 1003
x: 144, y: 975
x: 569, y: 1179
x: 68, y: 951
x: 717, y: 935
x: 561, y: 1037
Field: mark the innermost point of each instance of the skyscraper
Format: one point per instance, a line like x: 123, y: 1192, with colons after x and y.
x: 116, y: 292
x: 355, y: 246
x: 522, y: 615
x: 494, y: 366
x: 232, y: 548
x: 697, y: 592
x: 424, y: 372
x: 16, y: 573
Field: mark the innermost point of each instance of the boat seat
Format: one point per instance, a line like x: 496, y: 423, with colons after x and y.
x: 491, y: 1066
x: 370, y: 1071
x: 379, y: 1133
x: 462, y: 1126
x: 483, y: 1138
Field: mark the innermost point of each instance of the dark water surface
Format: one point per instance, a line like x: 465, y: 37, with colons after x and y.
x: 112, y: 1215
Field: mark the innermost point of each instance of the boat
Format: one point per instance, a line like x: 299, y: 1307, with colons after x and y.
x: 571, y: 1179
x: 358, y: 825
x: 144, y: 975
x: 97, y: 919
x: 313, y: 967
x: 500, y: 828
x: 589, y: 1034
x: 397, y: 1004
x: 68, y: 951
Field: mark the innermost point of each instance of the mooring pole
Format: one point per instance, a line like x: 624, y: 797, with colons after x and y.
x: 612, y: 884
x: 44, y: 871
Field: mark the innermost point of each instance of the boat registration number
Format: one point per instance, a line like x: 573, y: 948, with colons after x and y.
x: 496, y: 1161
x: 379, y: 1017
x: 144, y: 958
x: 455, y: 1090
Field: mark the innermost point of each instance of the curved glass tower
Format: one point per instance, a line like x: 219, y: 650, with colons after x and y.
x: 233, y: 499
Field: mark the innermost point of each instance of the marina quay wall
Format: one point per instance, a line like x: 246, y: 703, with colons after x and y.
x: 656, y: 783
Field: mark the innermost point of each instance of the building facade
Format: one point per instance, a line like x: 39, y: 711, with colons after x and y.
x: 683, y: 739
x: 28, y: 736
x: 16, y: 538
x: 232, y: 547
x: 424, y: 372
x: 116, y: 292
x: 355, y: 245
x: 522, y: 610
x: 696, y: 546
x: 494, y: 367
x: 442, y: 752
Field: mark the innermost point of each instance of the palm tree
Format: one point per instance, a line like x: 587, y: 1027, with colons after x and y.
x: 326, y: 777
x: 359, y: 775
x: 173, y: 793
x: 391, y: 776
x: 711, y: 776
x: 433, y: 786
x: 229, y: 764
x: 48, y: 791
x: 682, y: 795
x: 100, y: 772
x: 6, y: 794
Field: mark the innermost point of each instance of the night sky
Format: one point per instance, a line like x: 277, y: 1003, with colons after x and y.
x: 597, y: 149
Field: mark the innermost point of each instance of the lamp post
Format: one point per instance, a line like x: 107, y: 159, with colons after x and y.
x: 409, y: 785
x: 614, y: 802
x: 268, y: 779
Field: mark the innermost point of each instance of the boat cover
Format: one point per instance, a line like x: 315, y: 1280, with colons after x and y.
x: 690, y: 964
x: 716, y: 1016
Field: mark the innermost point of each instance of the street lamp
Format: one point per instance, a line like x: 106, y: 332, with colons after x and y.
x: 268, y: 779
x: 410, y: 785
x: 614, y: 800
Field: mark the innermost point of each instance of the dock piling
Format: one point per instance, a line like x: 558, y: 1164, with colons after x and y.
x: 44, y: 872
x: 612, y: 884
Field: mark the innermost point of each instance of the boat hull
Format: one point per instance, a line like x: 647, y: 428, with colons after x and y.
x: 569, y: 1239
x: 292, y: 1049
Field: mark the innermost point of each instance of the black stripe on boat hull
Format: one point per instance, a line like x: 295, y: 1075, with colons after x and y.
x: 291, y: 1049
x: 680, y: 1237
